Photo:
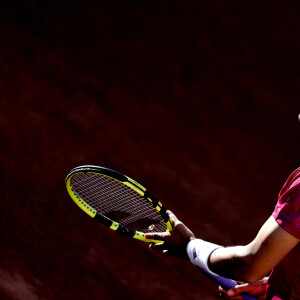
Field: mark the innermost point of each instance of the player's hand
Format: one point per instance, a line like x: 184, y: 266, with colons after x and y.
x: 257, y: 288
x: 173, y: 243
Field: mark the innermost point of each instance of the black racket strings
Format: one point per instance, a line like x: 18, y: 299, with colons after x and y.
x: 112, y: 191
x: 118, y: 202
x: 117, y: 210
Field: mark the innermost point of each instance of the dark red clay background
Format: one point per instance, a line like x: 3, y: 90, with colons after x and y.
x: 198, y: 102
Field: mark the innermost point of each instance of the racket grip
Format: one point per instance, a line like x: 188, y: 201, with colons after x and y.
x: 226, y: 283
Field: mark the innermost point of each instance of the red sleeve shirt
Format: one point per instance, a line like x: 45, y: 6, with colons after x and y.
x: 287, y: 209
x: 284, y: 282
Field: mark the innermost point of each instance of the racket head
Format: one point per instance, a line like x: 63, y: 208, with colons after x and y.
x: 117, y: 201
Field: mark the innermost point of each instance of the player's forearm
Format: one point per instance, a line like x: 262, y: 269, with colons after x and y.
x: 236, y: 263
x: 232, y: 262
x: 254, y: 261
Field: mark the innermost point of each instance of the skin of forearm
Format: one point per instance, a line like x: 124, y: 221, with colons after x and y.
x: 254, y: 261
x: 236, y: 263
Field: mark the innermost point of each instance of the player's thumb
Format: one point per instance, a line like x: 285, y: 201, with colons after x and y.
x: 173, y: 218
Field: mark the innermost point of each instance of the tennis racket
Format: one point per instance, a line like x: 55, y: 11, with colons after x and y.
x: 123, y: 205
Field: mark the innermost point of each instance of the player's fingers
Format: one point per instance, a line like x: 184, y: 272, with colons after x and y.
x: 159, y: 247
x: 238, y: 289
x: 160, y: 236
x: 234, y: 292
x: 173, y: 218
x: 223, y: 293
x: 240, y: 282
x: 233, y: 295
x: 225, y: 296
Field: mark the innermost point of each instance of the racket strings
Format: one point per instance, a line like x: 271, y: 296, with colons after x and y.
x: 115, y: 214
x: 109, y: 193
x: 118, y: 202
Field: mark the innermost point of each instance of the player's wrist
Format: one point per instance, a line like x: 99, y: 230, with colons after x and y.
x: 189, y: 239
x: 199, y: 252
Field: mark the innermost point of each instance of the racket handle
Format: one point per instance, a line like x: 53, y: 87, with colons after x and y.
x: 226, y: 283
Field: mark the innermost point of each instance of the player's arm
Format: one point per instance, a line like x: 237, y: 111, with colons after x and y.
x: 255, y: 260
x: 247, y: 263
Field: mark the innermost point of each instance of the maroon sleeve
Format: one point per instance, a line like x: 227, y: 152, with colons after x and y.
x: 287, y: 210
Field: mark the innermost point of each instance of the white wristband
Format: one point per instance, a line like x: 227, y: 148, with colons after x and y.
x: 199, y: 252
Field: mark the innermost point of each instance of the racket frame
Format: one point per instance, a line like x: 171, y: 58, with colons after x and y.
x: 127, y: 181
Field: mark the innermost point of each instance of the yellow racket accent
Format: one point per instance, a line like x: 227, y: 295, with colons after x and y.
x: 136, y: 183
x: 81, y: 203
x: 133, y: 187
x: 114, y: 226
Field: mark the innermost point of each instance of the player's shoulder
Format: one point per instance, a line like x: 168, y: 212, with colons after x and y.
x: 292, y: 183
x: 286, y: 212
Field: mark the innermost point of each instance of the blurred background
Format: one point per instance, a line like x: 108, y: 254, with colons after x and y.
x: 197, y: 101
